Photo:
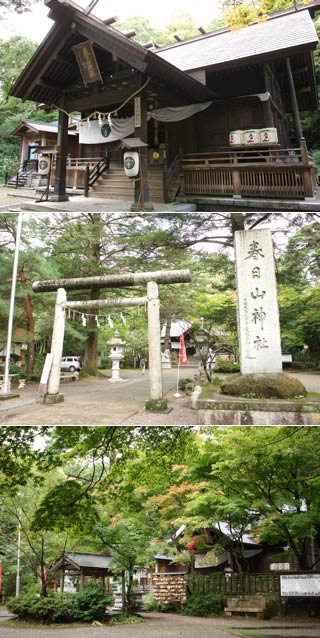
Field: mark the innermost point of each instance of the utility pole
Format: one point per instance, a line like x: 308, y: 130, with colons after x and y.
x: 6, y: 382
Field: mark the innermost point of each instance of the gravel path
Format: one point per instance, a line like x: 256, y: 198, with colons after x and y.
x: 157, y: 625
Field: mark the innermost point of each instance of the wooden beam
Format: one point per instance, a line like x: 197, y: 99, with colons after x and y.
x: 37, y: 68
x: 130, y: 34
x: 101, y: 99
x: 118, y: 46
x: 294, y: 103
x: 109, y: 21
x: 90, y: 7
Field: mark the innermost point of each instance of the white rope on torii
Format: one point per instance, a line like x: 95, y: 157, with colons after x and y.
x: 151, y: 279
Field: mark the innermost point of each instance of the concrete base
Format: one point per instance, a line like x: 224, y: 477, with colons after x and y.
x: 58, y: 198
x: 229, y: 203
x: 117, y: 380
x: 228, y: 411
x: 6, y: 397
x: 50, y: 399
x: 137, y: 207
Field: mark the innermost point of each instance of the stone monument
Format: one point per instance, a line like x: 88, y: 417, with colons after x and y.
x: 258, y: 322
x: 166, y: 362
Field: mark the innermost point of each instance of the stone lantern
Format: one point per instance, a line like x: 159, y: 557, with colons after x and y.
x: 116, y: 355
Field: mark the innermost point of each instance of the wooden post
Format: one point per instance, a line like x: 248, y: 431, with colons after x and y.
x: 61, y: 161
x: 236, y: 182
x: 86, y: 181
x: 53, y: 395
x: 81, y: 579
x: 61, y: 581
x: 307, y: 179
x: 294, y: 103
x: 141, y: 190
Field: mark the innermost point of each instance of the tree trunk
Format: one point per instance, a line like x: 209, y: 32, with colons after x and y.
x: 123, y: 591
x: 130, y: 601
x: 90, y: 357
x: 43, y: 576
x: 30, y: 327
x: 167, y: 340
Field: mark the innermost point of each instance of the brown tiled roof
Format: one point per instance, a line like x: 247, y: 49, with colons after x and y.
x: 278, y: 35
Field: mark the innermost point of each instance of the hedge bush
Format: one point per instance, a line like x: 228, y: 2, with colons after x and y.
x: 204, y: 605
x: 224, y: 365
x: 86, y: 606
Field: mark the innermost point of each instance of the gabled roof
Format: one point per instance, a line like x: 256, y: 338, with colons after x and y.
x: 38, y: 127
x: 53, y: 68
x: 177, y: 328
x: 83, y: 560
x: 276, y: 36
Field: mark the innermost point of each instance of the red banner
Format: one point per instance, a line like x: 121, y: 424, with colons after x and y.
x: 183, y: 353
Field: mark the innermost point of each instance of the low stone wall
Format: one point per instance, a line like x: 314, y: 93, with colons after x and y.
x: 227, y: 411
x: 170, y: 588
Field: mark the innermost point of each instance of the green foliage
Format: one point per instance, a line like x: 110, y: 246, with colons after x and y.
x: 53, y: 608
x: 126, y: 619
x: 66, y: 505
x: 223, y: 365
x: 204, y: 605
x: 91, y: 604
x: 86, y: 606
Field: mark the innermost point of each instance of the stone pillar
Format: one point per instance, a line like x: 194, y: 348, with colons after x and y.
x: 258, y: 315
x: 52, y: 395
x: 155, y: 373
x: 61, y: 161
x: 141, y: 190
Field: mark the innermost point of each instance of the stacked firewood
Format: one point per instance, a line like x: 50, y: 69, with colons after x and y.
x: 169, y: 588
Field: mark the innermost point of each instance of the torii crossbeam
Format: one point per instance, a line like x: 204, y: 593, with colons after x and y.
x: 151, y: 279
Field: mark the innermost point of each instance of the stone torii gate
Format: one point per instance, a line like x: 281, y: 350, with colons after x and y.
x: 151, y: 279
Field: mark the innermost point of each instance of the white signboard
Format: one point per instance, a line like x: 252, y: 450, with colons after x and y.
x: 300, y: 585
x: 137, y: 112
x: 258, y: 315
x: 45, y: 373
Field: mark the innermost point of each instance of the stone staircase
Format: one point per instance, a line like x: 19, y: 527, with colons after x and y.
x: 114, y: 184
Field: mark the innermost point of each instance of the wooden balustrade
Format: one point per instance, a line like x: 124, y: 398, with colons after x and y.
x: 259, y: 172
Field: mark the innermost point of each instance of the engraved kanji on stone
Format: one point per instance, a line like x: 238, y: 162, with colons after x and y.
x: 260, y: 343
x: 254, y: 251
x: 256, y: 274
x: 258, y: 293
x: 259, y: 315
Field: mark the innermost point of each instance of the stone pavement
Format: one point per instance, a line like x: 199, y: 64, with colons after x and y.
x: 96, y: 402
x: 157, y: 625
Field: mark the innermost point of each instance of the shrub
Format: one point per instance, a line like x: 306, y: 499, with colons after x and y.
x: 126, y: 619
x: 91, y: 603
x: 53, y: 608
x: 204, y: 605
x: 86, y: 606
x: 224, y: 365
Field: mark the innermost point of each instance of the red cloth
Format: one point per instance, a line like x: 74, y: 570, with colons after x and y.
x: 183, y: 353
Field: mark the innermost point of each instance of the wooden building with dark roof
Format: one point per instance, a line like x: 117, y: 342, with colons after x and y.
x: 80, y: 565
x: 181, y: 104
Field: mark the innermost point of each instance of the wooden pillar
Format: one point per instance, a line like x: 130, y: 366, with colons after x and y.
x: 61, y: 581
x: 155, y: 362
x: 294, y: 103
x: 81, y: 579
x: 61, y: 161
x: 141, y: 190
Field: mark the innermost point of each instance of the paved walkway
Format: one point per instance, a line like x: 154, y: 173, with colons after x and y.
x: 157, y: 625
x: 97, y: 402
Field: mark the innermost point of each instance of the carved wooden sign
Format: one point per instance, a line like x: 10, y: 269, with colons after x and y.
x: 87, y: 63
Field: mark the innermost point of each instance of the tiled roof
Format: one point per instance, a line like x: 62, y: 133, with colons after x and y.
x: 211, y: 50
x: 96, y: 561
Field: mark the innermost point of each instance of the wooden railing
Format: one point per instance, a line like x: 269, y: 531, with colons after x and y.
x: 221, y: 583
x: 92, y: 174
x: 172, y: 178
x: 259, y: 172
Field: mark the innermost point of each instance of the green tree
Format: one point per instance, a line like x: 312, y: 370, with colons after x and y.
x: 258, y: 480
